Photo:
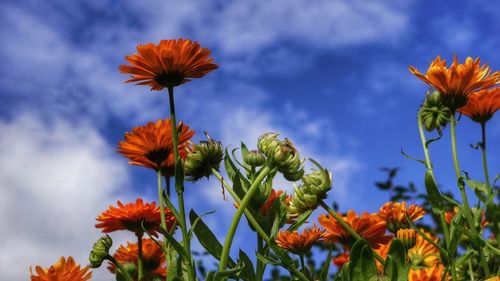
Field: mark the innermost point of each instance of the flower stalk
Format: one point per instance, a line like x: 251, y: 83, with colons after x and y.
x: 140, y: 269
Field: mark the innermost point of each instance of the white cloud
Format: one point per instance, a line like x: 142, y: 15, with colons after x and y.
x: 56, y: 178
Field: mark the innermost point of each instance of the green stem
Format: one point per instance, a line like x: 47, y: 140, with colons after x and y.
x: 120, y: 268
x: 471, y: 270
x: 139, y: 257
x: 461, y: 185
x: 180, y: 190
x: 302, y: 264
x: 236, y: 219
x: 485, y: 162
x: 346, y: 226
x: 453, y: 270
x: 260, y: 265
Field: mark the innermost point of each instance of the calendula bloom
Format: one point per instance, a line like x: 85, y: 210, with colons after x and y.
x: 394, y: 215
x: 382, y: 252
x: 434, y: 273
x: 133, y: 216
x: 458, y: 81
x: 63, y: 270
x: 299, y: 244
x: 340, y: 260
x: 168, y: 64
x: 408, y: 236
x: 273, y: 196
x: 151, y: 146
x: 482, y: 105
x: 424, y: 253
x: 152, y: 256
x: 369, y: 226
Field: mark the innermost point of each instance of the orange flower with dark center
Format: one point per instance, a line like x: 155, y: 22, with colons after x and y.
x: 369, y: 226
x: 133, y: 216
x: 482, y: 105
x: 424, y: 253
x: 152, y: 146
x: 434, y: 273
x: 394, y: 215
x: 63, y: 270
x: 299, y: 244
x: 340, y: 260
x: 152, y: 256
x: 458, y: 81
x: 168, y: 64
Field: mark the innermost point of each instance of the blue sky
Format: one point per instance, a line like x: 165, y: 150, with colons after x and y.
x: 330, y: 75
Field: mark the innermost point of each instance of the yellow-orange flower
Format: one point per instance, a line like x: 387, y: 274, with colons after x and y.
x: 63, y: 270
x: 394, y: 215
x: 340, y: 260
x: 133, y: 216
x: 424, y: 253
x: 433, y: 273
x: 168, y: 64
x: 369, y: 226
x: 458, y: 81
x: 152, y: 256
x: 152, y: 146
x: 482, y: 105
x: 299, y: 243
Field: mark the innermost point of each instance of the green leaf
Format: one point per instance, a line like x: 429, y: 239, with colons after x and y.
x: 323, y: 276
x: 232, y: 171
x: 391, y: 268
x: 247, y: 273
x: 412, y: 158
x: 224, y: 274
x: 193, y: 224
x: 427, y: 143
x: 497, y: 177
x: 179, y: 176
x: 267, y: 260
x: 300, y: 220
x: 362, y: 265
x: 434, y: 196
x: 479, y: 188
x: 177, y: 246
x: 397, y: 252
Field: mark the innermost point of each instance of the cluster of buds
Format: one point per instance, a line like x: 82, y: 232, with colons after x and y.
x: 202, y: 158
x: 435, y: 115
x: 313, y: 190
x: 283, y: 155
x: 100, y: 251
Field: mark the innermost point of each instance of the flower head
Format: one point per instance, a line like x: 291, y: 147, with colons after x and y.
x: 168, y: 64
x: 133, y: 216
x: 408, y: 236
x: 63, y: 270
x: 340, y: 260
x: 202, y: 158
x: 424, y: 253
x: 100, y: 251
x: 482, y: 105
x: 299, y: 244
x: 369, y: 226
x: 435, y: 115
x: 151, y: 145
x: 394, y: 215
x: 433, y: 273
x: 268, y: 204
x: 458, y: 81
x: 152, y: 255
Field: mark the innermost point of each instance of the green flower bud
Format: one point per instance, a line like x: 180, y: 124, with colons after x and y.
x: 254, y: 158
x: 100, y: 251
x: 435, y: 115
x: 268, y: 144
x: 204, y: 157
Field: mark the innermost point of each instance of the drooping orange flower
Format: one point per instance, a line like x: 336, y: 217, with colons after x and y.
x: 482, y: 105
x: 458, y: 81
x: 151, y: 145
x: 424, y: 253
x: 394, y: 215
x: 434, y: 273
x: 133, y: 216
x: 152, y: 256
x: 168, y: 64
x: 63, y: 270
x: 369, y: 226
x: 340, y: 260
x: 299, y: 243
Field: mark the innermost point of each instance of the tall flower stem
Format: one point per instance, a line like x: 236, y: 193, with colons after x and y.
x: 461, y: 185
x: 139, y: 257
x: 346, y: 226
x: 485, y: 162
x: 302, y: 264
x: 260, y: 265
x: 236, y: 219
x: 180, y: 189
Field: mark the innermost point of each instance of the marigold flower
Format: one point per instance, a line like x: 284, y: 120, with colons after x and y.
x: 340, y: 260
x: 152, y: 256
x: 168, y: 64
x: 299, y: 244
x: 433, y: 273
x: 458, y: 81
x: 63, y: 270
x: 424, y: 253
x: 482, y: 105
x: 151, y: 146
x: 408, y: 236
x: 133, y: 216
x: 369, y: 226
x: 382, y: 252
x: 268, y: 204
x: 394, y: 215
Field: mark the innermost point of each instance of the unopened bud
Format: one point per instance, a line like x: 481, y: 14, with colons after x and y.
x: 268, y: 144
x: 408, y: 236
x: 254, y: 158
x: 204, y: 157
x: 435, y: 115
x: 100, y: 251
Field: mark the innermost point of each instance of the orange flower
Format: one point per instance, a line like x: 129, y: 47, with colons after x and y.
x: 448, y: 216
x: 482, y: 105
x: 424, y: 253
x: 132, y: 216
x: 340, y: 260
x: 168, y: 64
x: 394, y: 215
x: 151, y: 145
x: 434, y: 273
x: 152, y: 256
x: 369, y: 226
x: 299, y: 244
x: 457, y: 82
x: 382, y: 252
x: 63, y: 270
